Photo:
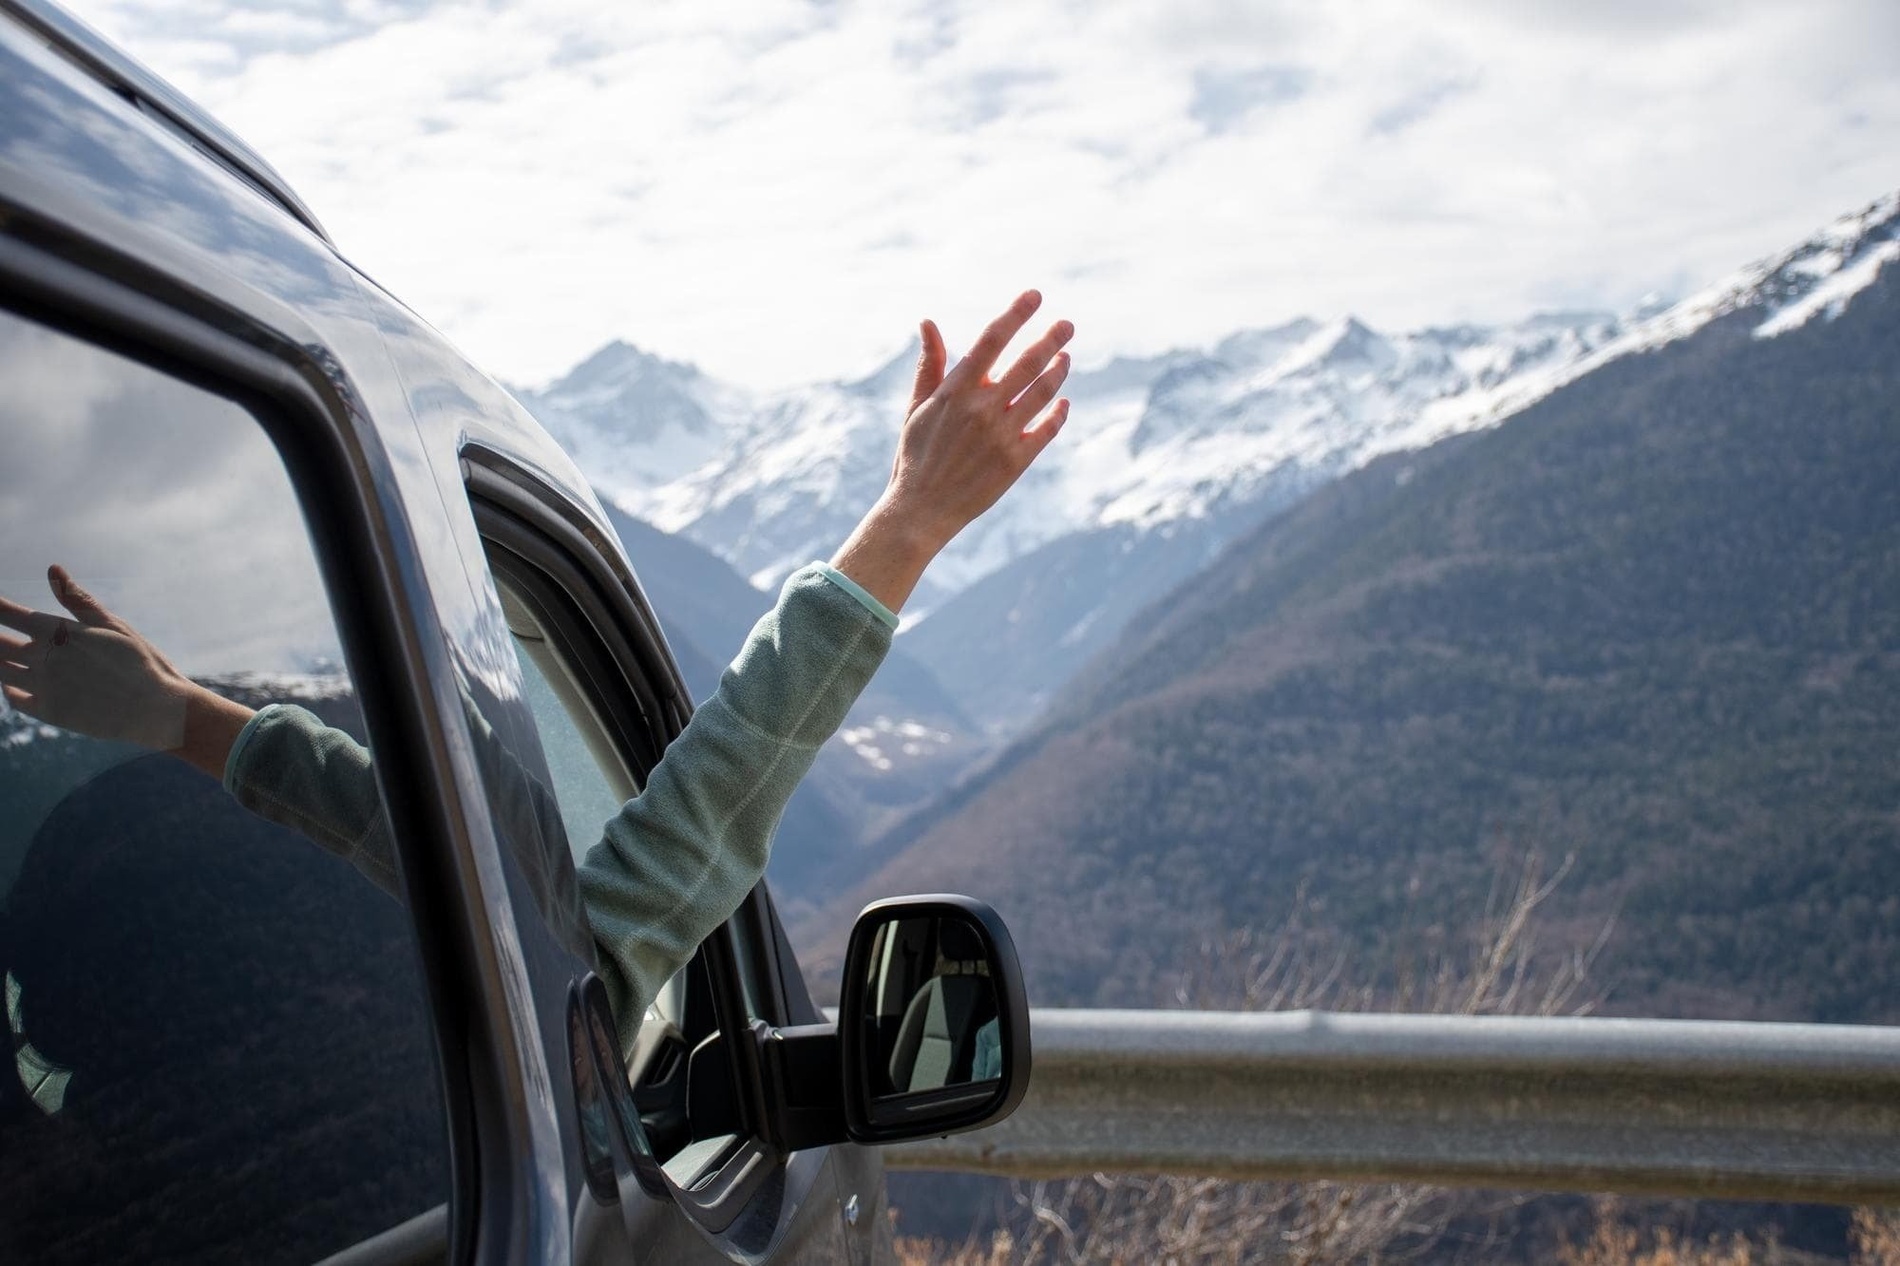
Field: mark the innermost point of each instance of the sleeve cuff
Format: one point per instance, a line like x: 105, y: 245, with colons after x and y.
x: 236, y: 756
x: 852, y: 587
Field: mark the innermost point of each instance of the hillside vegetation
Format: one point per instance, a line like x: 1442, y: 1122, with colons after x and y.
x: 1653, y: 621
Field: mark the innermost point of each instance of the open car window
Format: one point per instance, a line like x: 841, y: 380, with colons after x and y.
x: 600, y: 735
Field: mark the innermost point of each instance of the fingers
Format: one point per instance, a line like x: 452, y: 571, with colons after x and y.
x: 1034, y: 360
x: 930, y: 362
x: 15, y: 675
x: 1039, y: 435
x: 1040, y: 392
x: 85, y: 608
x: 12, y: 646
x: 17, y: 697
x: 25, y: 619
x: 995, y: 337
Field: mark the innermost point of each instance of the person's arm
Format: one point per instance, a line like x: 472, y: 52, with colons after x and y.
x: 679, y: 859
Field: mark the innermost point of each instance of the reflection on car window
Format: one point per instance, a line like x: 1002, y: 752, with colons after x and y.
x: 590, y: 785
x: 218, y: 1033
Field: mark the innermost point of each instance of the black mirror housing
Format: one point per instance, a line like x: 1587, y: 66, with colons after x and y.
x: 933, y: 1020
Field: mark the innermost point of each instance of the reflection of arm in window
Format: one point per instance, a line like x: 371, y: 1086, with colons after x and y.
x: 290, y: 768
x: 987, y: 1064
x: 678, y: 860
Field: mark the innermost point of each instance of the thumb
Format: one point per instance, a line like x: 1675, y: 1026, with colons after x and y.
x: 85, y: 608
x: 930, y: 362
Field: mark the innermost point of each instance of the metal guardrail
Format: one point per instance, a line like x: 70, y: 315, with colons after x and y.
x: 1760, y: 1111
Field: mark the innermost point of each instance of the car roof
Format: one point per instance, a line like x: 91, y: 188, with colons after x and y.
x: 120, y: 72
x: 497, y: 421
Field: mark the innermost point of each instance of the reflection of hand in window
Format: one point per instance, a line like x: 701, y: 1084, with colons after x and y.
x: 93, y: 673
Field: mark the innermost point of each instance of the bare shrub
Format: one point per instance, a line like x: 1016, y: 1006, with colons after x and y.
x: 1876, y: 1237
x: 1618, y: 1238
x: 1498, y: 969
x: 1141, y: 1219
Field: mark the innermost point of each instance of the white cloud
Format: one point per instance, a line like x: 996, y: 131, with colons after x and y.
x: 777, y: 190
x: 169, y: 504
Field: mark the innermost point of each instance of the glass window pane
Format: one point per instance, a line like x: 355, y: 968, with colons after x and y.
x: 220, y: 1041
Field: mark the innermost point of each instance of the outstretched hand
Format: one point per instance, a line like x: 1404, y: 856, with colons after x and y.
x: 91, y: 672
x: 967, y: 438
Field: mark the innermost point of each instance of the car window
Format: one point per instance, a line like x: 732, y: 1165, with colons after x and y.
x: 220, y: 1043
x: 591, y: 776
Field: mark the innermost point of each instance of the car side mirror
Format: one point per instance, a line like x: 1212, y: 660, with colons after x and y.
x: 933, y: 1022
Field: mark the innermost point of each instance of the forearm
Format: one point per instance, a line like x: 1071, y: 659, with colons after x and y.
x: 292, y: 769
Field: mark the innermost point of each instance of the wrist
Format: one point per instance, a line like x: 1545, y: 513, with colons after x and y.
x: 907, y: 532
x: 887, y: 553
x: 212, y: 725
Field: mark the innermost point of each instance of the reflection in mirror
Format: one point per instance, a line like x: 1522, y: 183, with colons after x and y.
x: 932, y: 1006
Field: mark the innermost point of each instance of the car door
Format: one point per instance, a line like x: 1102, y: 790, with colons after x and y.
x: 220, y: 1041
x: 606, y: 698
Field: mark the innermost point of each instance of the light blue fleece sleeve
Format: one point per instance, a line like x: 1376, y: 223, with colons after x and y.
x: 677, y: 860
x: 288, y: 767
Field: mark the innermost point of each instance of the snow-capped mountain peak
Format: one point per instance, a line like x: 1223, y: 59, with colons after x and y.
x: 891, y: 379
x: 771, y: 482
x: 632, y: 419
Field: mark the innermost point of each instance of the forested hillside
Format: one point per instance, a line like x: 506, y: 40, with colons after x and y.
x: 1652, y: 621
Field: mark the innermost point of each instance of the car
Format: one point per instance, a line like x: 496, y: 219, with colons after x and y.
x: 231, y: 1046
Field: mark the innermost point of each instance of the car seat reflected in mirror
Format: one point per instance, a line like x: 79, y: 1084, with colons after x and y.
x: 933, y: 1017
x: 933, y: 1023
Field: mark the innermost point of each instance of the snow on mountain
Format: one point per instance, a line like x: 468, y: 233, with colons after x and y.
x: 635, y: 422
x: 769, y: 483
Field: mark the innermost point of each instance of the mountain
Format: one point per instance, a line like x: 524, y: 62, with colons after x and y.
x: 1652, y: 621
x: 635, y: 422
x: 1168, y: 458
x: 1173, y: 454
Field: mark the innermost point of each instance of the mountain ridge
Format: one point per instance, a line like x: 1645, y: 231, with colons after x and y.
x: 1197, y: 443
x: 1651, y: 622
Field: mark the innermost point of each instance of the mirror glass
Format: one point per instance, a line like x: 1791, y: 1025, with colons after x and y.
x: 932, y: 1007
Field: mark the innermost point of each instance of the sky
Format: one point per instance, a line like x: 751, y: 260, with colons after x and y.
x: 777, y: 190
x: 169, y: 504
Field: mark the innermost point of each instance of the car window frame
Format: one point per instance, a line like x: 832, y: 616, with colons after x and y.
x: 605, y: 611
x: 53, y: 276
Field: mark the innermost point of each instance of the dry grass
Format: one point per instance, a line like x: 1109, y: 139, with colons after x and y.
x: 1166, y: 1220
x: 1876, y: 1237
x: 1614, y: 1241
